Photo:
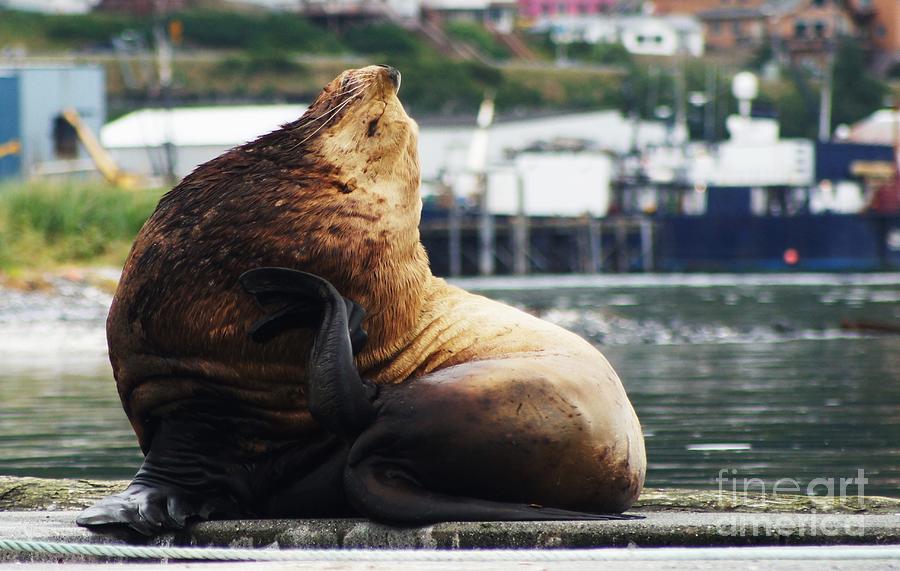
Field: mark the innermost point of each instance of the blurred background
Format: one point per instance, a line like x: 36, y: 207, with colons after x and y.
x: 707, y: 190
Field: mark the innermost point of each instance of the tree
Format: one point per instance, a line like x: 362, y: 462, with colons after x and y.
x: 857, y: 92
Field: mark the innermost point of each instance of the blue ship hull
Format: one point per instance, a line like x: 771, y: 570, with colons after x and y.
x: 822, y: 242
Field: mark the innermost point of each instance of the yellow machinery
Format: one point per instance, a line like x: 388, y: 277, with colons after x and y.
x: 102, y: 159
x: 10, y: 148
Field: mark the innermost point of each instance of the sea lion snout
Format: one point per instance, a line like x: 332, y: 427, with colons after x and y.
x: 393, y: 75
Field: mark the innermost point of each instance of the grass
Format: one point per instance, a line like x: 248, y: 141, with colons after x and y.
x: 46, y: 225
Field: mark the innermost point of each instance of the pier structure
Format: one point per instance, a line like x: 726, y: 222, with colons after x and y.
x: 460, y: 244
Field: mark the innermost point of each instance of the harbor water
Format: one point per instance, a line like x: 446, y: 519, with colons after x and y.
x: 734, y: 377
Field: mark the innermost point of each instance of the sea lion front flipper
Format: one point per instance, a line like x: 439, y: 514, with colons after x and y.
x: 188, y: 474
x: 338, y: 397
x: 384, y: 491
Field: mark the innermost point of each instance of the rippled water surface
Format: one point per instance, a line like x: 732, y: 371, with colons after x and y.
x: 750, y: 374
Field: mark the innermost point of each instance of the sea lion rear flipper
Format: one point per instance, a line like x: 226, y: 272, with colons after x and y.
x: 384, y: 491
x: 302, y: 296
x: 338, y: 397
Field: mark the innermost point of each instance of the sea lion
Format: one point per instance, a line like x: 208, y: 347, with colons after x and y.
x: 282, y: 349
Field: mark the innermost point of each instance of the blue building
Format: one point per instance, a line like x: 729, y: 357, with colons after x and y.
x: 34, y: 136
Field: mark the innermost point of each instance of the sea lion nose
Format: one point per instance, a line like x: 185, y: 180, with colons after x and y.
x: 393, y: 74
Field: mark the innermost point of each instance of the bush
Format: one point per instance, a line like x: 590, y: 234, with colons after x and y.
x: 385, y: 40
x: 213, y: 29
x: 259, y: 61
x: 90, y: 29
x: 53, y: 223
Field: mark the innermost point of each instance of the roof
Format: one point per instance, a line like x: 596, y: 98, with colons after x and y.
x: 731, y: 14
x: 780, y: 8
x: 677, y: 22
x: 197, y: 126
x: 880, y: 128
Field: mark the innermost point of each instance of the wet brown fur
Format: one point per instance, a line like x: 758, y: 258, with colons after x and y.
x: 334, y: 193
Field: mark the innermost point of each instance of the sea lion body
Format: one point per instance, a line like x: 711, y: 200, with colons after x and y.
x: 486, y: 408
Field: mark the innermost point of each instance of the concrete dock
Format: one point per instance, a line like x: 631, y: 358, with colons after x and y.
x: 849, y: 533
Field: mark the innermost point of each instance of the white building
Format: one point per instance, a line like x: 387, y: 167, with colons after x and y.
x: 552, y: 184
x: 136, y: 140
x: 642, y: 35
x: 33, y: 99
x: 500, y: 14
x: 50, y: 6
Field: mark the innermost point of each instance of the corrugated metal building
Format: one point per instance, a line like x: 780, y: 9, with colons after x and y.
x: 34, y: 136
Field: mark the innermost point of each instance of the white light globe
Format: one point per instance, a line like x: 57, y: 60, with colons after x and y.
x: 745, y: 86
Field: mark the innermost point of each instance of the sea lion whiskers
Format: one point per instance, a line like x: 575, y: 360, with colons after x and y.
x: 338, y: 108
x: 349, y: 94
x: 356, y: 82
x: 357, y: 79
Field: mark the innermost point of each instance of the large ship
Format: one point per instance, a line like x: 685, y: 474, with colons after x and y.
x: 753, y: 202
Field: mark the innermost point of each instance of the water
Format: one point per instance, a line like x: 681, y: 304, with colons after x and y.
x: 753, y: 375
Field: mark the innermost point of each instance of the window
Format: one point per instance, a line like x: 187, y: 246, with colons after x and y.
x: 820, y: 29
x: 717, y: 28
x: 800, y: 30
x: 65, y: 139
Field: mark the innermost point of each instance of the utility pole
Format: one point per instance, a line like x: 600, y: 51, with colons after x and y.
x: 478, y: 166
x: 164, y: 67
x: 826, y: 89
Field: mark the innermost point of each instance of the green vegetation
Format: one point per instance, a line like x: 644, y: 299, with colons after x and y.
x: 43, y: 31
x: 44, y: 224
x: 209, y: 29
x: 479, y: 38
x: 256, y: 56
x: 272, y: 31
x: 602, y: 54
x: 381, y: 39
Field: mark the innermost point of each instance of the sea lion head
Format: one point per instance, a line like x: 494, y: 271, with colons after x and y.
x: 358, y: 124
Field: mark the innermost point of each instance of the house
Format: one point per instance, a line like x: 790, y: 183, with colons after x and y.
x: 643, y: 35
x: 334, y: 11
x: 734, y: 28
x: 35, y: 138
x: 697, y: 6
x: 886, y: 27
x: 802, y: 30
x: 496, y: 14
x: 806, y: 30
x: 532, y: 10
